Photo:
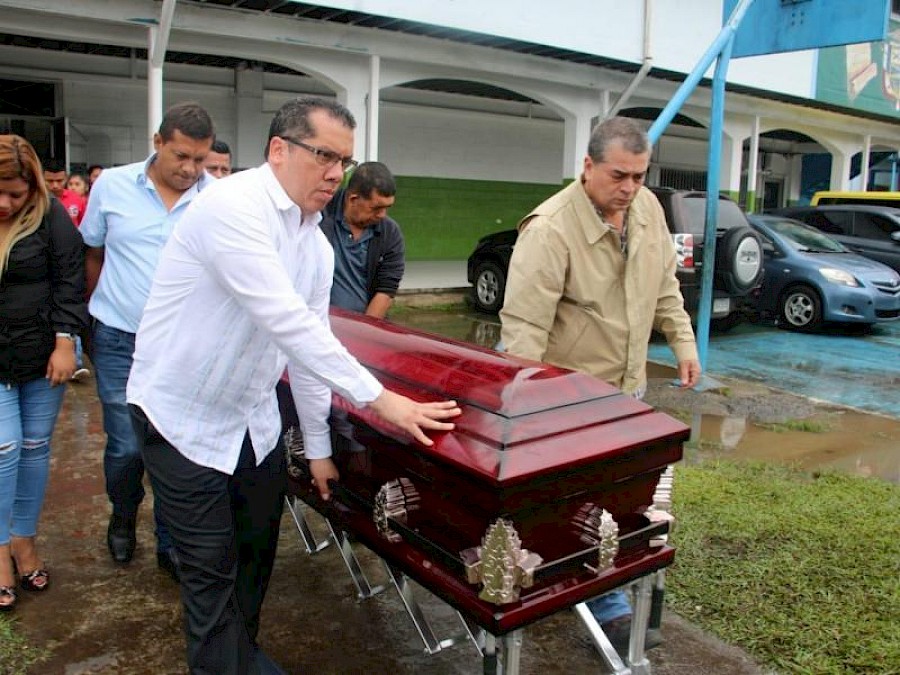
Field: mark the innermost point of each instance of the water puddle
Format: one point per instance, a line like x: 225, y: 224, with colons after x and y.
x: 807, y: 435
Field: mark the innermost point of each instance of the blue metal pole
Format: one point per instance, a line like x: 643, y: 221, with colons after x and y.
x: 687, y: 87
x: 712, y: 201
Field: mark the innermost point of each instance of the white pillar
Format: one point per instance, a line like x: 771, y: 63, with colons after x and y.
x: 840, y: 170
x: 354, y: 98
x: 795, y: 176
x: 252, y: 124
x: 158, y: 39
x: 753, y: 167
x: 864, y: 164
x: 154, y: 89
x: 372, y: 103
x: 576, y: 137
x: 730, y: 169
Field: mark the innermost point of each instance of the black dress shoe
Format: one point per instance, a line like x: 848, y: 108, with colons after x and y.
x: 167, y: 561
x: 121, y: 538
x: 619, y: 633
x: 261, y: 663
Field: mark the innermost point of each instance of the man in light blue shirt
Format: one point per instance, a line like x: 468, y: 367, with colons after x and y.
x: 130, y: 216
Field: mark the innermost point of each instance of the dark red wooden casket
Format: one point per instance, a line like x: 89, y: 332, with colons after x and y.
x: 541, y: 447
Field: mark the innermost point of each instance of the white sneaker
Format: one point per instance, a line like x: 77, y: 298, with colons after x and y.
x: 80, y: 375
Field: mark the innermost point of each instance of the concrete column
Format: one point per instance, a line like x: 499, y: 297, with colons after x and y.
x: 251, y: 123
x: 154, y: 87
x: 158, y: 43
x: 864, y: 164
x: 730, y: 169
x: 355, y: 97
x: 372, y: 108
x: 753, y: 167
x: 577, y: 134
x: 795, y: 179
x: 840, y: 170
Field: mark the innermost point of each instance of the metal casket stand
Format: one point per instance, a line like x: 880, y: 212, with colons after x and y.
x: 500, y: 654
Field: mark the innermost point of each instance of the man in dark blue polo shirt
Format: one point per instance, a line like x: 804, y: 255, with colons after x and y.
x: 368, y: 245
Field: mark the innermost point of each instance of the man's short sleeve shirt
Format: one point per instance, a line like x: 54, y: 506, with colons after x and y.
x: 127, y: 217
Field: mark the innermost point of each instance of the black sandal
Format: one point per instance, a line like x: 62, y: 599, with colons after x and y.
x: 10, y: 593
x: 38, y: 580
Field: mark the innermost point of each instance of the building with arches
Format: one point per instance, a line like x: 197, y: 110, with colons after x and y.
x: 480, y: 110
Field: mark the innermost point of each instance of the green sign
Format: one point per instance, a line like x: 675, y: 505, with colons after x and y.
x: 865, y: 76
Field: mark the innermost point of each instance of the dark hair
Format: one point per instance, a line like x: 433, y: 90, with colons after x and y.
x: 292, y: 119
x: 54, y: 165
x: 617, y: 129
x: 220, y: 147
x: 91, y: 168
x: 190, y: 119
x: 372, y: 176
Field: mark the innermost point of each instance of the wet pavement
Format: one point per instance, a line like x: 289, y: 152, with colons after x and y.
x: 101, y: 618
x: 842, y: 364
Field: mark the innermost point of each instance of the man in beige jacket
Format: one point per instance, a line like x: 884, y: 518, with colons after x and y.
x: 591, y: 275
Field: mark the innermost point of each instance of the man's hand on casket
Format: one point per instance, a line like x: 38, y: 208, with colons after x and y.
x: 323, y: 470
x: 412, y: 416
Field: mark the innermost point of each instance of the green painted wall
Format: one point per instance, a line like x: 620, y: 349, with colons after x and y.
x: 442, y: 218
x: 751, y: 201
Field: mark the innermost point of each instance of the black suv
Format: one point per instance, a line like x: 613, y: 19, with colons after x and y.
x: 870, y: 230
x: 738, y: 268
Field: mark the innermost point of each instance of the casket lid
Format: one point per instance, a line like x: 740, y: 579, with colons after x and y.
x: 520, y: 418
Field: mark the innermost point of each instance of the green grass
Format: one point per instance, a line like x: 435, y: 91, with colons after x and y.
x: 704, y: 445
x: 15, y: 654
x: 802, y: 571
x: 810, y: 426
x: 399, y: 310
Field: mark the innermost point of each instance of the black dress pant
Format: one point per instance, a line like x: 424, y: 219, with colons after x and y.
x: 225, y: 532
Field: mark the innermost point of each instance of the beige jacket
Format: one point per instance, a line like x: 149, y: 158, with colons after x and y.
x: 573, y: 301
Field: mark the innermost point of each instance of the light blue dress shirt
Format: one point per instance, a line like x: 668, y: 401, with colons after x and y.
x: 127, y: 217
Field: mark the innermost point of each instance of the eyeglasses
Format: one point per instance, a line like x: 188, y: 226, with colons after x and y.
x: 325, y: 158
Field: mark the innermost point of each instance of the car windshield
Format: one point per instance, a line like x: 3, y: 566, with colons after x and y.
x: 802, y: 237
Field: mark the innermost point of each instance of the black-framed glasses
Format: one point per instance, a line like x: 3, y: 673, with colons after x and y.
x: 325, y: 158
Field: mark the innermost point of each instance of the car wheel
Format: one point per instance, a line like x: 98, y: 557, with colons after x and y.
x: 490, y: 284
x: 739, y: 260
x: 801, y: 309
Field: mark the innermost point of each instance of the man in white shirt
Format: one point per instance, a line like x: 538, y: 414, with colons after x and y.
x: 242, y: 289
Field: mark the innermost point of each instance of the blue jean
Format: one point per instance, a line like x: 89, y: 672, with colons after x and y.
x: 610, y: 606
x: 112, y: 355
x: 79, y: 353
x: 27, y: 415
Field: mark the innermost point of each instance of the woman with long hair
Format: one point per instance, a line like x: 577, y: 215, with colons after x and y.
x: 41, y: 310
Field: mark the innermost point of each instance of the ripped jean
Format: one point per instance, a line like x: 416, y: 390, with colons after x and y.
x: 27, y: 416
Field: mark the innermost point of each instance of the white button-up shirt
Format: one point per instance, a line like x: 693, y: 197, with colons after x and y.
x: 241, y: 290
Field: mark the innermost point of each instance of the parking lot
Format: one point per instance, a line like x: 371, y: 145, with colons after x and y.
x: 839, y: 365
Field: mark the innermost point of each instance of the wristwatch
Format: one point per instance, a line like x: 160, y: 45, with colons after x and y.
x: 68, y: 336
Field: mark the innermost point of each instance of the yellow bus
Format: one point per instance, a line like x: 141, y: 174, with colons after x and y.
x: 876, y: 198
